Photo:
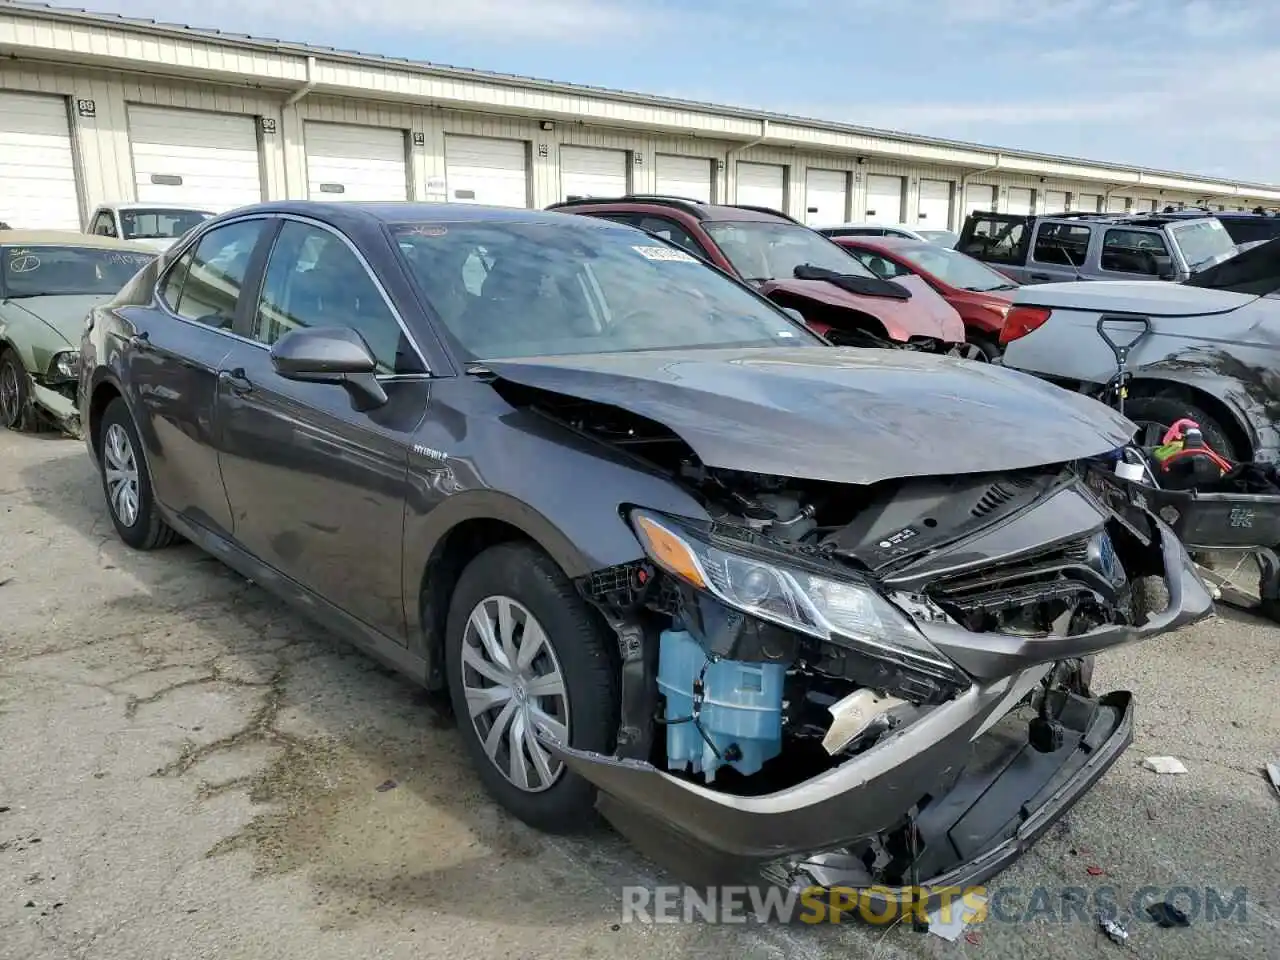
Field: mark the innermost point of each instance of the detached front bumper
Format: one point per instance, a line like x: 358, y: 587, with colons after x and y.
x: 52, y: 404
x: 998, y: 811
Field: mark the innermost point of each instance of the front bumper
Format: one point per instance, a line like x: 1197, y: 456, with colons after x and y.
x: 678, y: 822
x: 55, y: 406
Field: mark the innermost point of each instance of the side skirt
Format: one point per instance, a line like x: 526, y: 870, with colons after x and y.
x: 306, y: 602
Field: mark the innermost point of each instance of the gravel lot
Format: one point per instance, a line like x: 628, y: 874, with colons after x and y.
x: 189, y: 769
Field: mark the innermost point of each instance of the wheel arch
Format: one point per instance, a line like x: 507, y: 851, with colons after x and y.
x: 100, y: 397
x: 459, y: 530
x: 1234, y: 420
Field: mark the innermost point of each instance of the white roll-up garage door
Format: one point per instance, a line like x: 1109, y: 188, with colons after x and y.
x: 1055, y: 201
x: 355, y: 163
x: 1020, y: 200
x: 1088, y: 202
x: 37, y: 166
x: 1144, y: 205
x: 826, y: 197
x: 486, y: 170
x: 592, y: 172
x: 884, y: 198
x: 194, y: 158
x: 934, y: 210
x: 980, y: 197
x: 762, y: 185
x: 1117, y: 204
x: 688, y: 177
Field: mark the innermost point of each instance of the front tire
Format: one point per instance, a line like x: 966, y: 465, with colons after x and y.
x: 126, y: 481
x: 15, y: 394
x: 523, y: 652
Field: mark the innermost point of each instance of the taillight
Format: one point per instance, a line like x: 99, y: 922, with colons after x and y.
x: 1022, y: 320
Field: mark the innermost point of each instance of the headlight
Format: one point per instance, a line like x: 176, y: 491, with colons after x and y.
x: 848, y: 613
x: 65, y: 365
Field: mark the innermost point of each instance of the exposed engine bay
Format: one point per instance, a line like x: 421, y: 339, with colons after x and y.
x: 813, y: 667
x: 741, y: 691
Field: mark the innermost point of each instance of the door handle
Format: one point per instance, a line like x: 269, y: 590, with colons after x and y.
x: 236, y: 381
x: 1041, y: 276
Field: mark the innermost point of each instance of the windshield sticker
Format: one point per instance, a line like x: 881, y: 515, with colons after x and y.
x: 23, y: 261
x: 666, y: 254
x: 785, y: 333
x: 129, y: 259
x: 426, y: 230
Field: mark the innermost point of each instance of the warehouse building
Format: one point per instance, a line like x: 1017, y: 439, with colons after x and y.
x: 97, y: 108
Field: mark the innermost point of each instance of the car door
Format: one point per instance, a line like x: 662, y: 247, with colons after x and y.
x: 317, y: 487
x: 1059, y: 251
x: 1132, y: 254
x: 172, y: 361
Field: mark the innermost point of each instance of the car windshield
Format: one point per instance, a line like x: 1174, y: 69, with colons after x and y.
x: 38, y: 270
x: 955, y: 268
x: 158, y: 223
x: 511, y: 289
x: 762, y: 250
x: 1202, y: 242
x: 944, y: 237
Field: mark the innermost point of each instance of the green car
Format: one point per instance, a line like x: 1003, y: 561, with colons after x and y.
x: 49, y: 280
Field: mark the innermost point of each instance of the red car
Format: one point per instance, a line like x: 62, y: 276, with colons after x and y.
x: 979, y: 294
x: 794, y: 267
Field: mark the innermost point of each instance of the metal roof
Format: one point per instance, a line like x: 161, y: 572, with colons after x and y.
x: 76, y: 14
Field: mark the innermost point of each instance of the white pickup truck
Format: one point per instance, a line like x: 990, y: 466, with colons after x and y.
x: 153, y: 225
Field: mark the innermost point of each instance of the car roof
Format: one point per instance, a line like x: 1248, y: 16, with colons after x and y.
x: 864, y: 225
x: 892, y: 244
x: 154, y: 206
x: 413, y: 212
x: 70, y: 238
x: 709, y: 212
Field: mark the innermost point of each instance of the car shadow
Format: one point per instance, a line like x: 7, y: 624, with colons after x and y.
x: 359, y: 774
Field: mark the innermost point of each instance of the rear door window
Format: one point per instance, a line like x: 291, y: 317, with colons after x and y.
x: 204, y: 285
x: 1063, y: 244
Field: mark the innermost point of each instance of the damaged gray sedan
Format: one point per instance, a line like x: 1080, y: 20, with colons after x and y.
x: 823, y: 616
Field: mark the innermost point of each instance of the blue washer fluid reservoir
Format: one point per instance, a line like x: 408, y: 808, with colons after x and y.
x: 741, y: 708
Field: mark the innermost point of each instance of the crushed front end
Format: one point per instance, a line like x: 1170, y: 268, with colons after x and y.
x: 885, y: 686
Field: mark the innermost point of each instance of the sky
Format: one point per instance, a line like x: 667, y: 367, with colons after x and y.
x: 1184, y: 85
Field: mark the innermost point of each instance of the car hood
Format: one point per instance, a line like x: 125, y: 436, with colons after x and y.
x: 926, y: 314
x: 1148, y: 297
x: 846, y: 415
x: 63, y: 315
x: 160, y: 244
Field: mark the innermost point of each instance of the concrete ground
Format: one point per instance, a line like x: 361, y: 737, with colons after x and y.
x: 188, y: 769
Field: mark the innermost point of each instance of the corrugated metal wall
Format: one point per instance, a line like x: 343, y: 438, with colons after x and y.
x: 103, y: 156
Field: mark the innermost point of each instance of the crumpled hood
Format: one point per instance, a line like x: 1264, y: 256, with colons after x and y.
x: 1153, y: 298
x: 926, y: 314
x: 846, y: 415
x: 65, y: 315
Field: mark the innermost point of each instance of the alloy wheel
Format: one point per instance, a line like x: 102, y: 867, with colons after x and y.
x: 514, y: 688
x: 10, y: 395
x: 120, y: 468
x: 970, y: 351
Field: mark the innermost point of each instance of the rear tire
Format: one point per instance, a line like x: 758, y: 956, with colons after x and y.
x: 522, y: 581
x: 126, y: 481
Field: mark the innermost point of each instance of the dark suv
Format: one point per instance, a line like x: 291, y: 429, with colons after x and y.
x: 795, y: 267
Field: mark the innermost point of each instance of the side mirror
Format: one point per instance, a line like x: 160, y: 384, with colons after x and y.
x: 795, y: 315
x: 1164, y: 267
x: 330, y: 355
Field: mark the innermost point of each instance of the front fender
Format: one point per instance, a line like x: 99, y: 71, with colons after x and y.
x: 475, y: 458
